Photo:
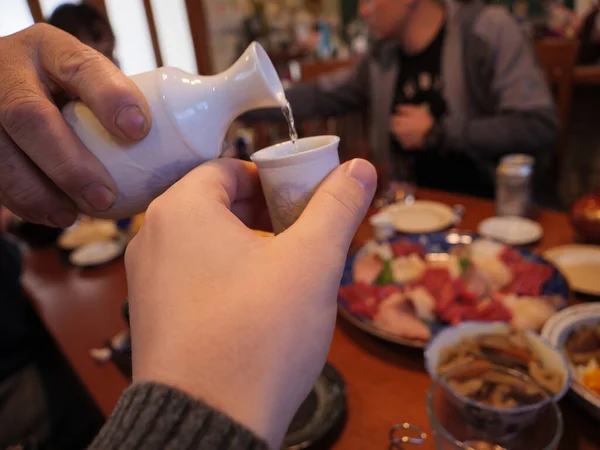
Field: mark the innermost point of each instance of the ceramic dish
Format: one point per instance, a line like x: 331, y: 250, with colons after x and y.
x: 86, y: 232
x: 421, y: 216
x: 511, y: 230
x: 96, y: 254
x: 320, y: 414
x: 580, y: 264
x: 543, y: 348
x: 436, y: 248
x: 558, y: 329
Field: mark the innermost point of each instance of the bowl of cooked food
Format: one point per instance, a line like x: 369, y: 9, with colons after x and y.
x: 585, y: 217
x: 498, y: 402
x: 576, y: 331
x: 502, y: 345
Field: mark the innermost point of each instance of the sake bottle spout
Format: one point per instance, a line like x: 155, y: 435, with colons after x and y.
x: 253, y: 82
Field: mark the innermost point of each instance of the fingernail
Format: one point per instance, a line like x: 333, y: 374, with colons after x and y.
x: 99, y: 197
x: 363, y: 173
x: 62, y: 218
x: 132, y: 122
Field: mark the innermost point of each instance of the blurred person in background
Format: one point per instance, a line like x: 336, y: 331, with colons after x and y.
x: 88, y: 25
x: 42, y: 405
x: 450, y: 88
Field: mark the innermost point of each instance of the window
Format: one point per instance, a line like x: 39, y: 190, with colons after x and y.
x: 48, y: 6
x: 14, y: 16
x: 174, y: 36
x: 134, y: 45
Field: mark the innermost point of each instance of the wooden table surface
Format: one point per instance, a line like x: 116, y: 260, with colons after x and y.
x: 386, y: 383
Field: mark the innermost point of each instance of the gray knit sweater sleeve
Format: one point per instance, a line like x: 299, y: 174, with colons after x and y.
x: 154, y: 416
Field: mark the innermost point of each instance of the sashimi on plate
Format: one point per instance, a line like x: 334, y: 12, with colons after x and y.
x: 406, y: 289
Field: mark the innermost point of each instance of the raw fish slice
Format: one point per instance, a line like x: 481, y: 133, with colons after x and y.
x: 423, y: 303
x: 395, y: 316
x: 406, y: 269
x: 406, y: 248
x: 529, y: 313
x: 367, y: 268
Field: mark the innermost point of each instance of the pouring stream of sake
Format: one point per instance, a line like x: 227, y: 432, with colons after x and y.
x: 289, y: 117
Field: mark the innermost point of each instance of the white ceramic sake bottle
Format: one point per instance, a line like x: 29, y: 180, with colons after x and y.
x: 190, y: 116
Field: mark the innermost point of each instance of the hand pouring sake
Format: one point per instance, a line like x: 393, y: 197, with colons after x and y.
x: 190, y: 116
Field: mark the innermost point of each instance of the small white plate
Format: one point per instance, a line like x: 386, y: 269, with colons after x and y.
x: 87, y: 231
x: 511, y: 230
x: 580, y: 264
x: 97, y: 253
x: 420, y: 217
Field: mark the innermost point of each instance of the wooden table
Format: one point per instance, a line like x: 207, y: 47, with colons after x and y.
x: 386, y: 383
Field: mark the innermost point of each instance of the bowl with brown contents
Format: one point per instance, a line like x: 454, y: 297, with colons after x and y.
x: 501, y: 345
x: 577, y: 332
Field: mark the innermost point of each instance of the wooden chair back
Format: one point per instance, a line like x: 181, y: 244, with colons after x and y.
x: 557, y: 58
x: 312, y: 70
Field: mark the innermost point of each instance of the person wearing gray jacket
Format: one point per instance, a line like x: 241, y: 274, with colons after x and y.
x: 449, y: 88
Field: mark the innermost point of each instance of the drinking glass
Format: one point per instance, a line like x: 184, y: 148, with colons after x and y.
x: 458, y: 423
x: 453, y: 425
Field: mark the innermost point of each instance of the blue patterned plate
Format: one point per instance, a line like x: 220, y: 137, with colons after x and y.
x: 439, y: 243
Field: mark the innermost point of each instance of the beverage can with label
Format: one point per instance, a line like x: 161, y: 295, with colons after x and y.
x: 513, y: 185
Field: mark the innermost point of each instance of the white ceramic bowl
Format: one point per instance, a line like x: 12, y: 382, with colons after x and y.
x: 558, y: 329
x: 548, y: 354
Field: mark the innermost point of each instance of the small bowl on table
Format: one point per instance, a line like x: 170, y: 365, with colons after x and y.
x: 547, y: 354
x: 585, y: 218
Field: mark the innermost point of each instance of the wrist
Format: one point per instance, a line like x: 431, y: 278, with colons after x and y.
x: 173, y: 413
x: 253, y: 412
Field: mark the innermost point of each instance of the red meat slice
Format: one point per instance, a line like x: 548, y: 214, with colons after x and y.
x: 435, y: 279
x: 363, y: 300
x: 493, y: 311
x: 458, y: 313
x: 476, y: 282
x: 528, y: 277
x: 446, y: 298
x: 455, y: 300
x: 464, y: 295
x: 360, y: 299
x: 510, y: 256
x: 441, y: 286
x: 406, y: 248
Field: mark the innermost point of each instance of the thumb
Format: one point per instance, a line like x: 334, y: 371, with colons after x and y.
x: 339, y: 205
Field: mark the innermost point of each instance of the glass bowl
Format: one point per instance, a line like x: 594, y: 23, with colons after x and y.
x: 460, y: 422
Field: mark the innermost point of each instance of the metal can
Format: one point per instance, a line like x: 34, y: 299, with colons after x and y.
x: 513, y: 185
